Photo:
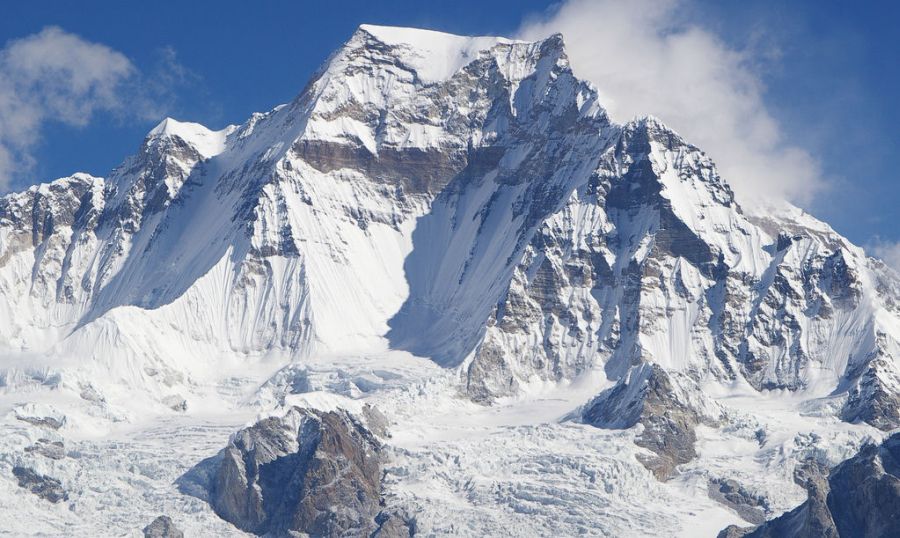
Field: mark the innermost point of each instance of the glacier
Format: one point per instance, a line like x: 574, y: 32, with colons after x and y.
x: 540, y: 301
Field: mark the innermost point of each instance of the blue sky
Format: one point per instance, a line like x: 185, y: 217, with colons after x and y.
x: 827, y: 74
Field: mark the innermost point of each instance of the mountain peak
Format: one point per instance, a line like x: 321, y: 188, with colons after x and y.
x: 421, y: 37
x: 652, y: 124
x: 435, y: 56
x: 206, y: 141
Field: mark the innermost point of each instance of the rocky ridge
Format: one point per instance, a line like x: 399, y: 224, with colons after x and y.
x: 307, y: 471
x: 859, y: 497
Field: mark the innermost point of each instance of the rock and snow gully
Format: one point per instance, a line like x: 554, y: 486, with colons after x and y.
x: 438, y: 293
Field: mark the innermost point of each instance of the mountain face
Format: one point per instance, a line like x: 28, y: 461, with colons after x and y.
x: 453, y: 211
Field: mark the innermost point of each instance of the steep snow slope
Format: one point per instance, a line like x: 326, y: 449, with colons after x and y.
x: 437, y: 221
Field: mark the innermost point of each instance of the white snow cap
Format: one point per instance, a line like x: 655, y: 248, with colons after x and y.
x: 434, y: 55
x: 206, y: 141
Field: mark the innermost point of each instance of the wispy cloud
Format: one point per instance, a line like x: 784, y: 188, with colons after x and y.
x: 646, y: 57
x: 56, y: 76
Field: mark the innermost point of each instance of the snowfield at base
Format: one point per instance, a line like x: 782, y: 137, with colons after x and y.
x: 452, y: 230
x: 520, y: 467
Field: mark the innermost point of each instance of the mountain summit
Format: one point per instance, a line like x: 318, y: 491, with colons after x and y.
x: 450, y: 229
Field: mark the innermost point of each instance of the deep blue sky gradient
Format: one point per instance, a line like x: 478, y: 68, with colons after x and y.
x: 834, y: 85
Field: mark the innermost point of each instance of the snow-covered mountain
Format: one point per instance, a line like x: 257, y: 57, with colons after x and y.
x: 453, y: 230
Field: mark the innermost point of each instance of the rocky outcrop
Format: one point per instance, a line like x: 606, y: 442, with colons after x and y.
x: 649, y: 396
x: 860, y: 498
x: 45, y: 487
x: 874, y: 397
x: 392, y: 525
x: 308, y: 472
x: 733, y: 495
x: 52, y: 423
x: 55, y: 450
x: 162, y: 527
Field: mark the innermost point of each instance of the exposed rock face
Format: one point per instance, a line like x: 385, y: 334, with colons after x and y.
x: 162, y: 527
x: 54, y: 450
x: 43, y: 486
x: 306, y: 472
x: 730, y: 493
x: 875, y: 394
x: 52, y: 423
x: 860, y: 498
x: 394, y: 526
x: 649, y: 396
x: 641, y: 263
x: 577, y: 291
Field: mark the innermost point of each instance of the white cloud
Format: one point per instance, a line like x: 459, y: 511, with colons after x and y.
x: 645, y: 59
x: 56, y: 76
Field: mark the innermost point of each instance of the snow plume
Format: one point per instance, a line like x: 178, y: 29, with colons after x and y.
x: 888, y: 251
x: 645, y: 57
x: 56, y: 76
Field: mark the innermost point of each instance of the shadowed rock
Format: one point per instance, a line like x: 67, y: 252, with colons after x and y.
x: 55, y: 450
x: 860, y: 498
x: 45, y: 487
x: 162, y: 527
x: 647, y: 395
x: 872, y: 398
x: 43, y: 422
x: 394, y: 526
x: 730, y: 493
x: 308, y: 472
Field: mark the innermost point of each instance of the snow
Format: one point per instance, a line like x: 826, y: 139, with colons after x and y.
x: 435, y: 56
x: 209, y: 143
x: 260, y: 278
x: 519, y: 467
